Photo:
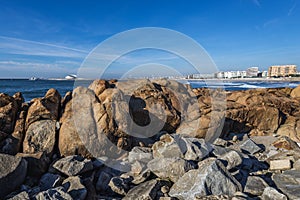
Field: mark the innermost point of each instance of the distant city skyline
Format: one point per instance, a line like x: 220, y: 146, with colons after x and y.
x: 52, y: 38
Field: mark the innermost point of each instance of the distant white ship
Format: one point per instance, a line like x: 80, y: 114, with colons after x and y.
x: 34, y: 78
x: 71, y: 77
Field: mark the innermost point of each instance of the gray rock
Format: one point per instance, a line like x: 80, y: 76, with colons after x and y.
x: 194, y: 149
x: 231, y: 159
x: 37, y: 163
x: 255, y: 185
x: 21, y: 196
x: 142, y: 154
x: 169, y: 168
x: 73, y: 165
x: 212, y: 178
x: 102, y: 182
x: 40, y: 137
x: 53, y: 194
x: 289, y: 183
x: 49, y: 180
x: 137, y: 167
x: 250, y: 147
x: 219, y: 151
x: 166, y: 147
x: 272, y: 194
x: 212, y: 197
x: 120, y: 185
x: 296, y: 165
x: 149, y: 190
x: 12, y: 173
x: 139, y: 178
x: 73, y: 185
x: 220, y: 142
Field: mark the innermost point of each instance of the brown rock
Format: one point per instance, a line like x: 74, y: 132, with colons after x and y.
x: 44, y: 108
x: 98, y: 86
x: 285, y: 142
x: 296, y: 92
x: 8, y: 112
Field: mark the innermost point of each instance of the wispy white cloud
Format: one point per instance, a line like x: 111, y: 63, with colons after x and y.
x: 291, y: 10
x: 270, y: 22
x: 256, y: 2
x: 9, y: 45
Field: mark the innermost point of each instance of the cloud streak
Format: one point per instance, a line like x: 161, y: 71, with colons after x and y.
x: 291, y: 10
x: 257, y: 3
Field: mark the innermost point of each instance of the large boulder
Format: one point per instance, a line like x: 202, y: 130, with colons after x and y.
x: 212, y: 178
x: 149, y: 190
x: 73, y: 165
x: 289, y: 183
x: 296, y: 92
x: 12, y: 173
x: 40, y: 137
x: 169, y: 168
x: 8, y: 113
x: 44, y: 108
x: 15, y: 142
x: 78, y: 131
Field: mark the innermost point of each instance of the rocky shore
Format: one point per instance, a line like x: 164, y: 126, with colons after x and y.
x: 102, y: 142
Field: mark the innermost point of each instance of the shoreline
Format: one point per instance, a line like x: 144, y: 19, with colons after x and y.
x: 292, y: 79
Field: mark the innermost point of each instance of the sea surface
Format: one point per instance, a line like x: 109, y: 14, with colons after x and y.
x: 32, y: 89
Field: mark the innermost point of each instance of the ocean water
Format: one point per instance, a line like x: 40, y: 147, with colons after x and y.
x: 38, y: 88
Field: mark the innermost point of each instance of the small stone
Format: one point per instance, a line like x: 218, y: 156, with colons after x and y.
x: 73, y: 165
x: 120, y: 185
x: 148, y: 190
x: 194, y: 149
x: 250, y: 147
x: 280, y: 164
x: 73, y: 185
x: 102, y: 182
x: 21, y: 196
x: 272, y: 194
x: 166, y: 147
x: 296, y: 165
x: 285, y: 142
x: 255, y: 185
x: 165, y: 189
x: 142, y: 154
x: 142, y: 177
x: 137, y: 167
x: 49, y: 180
x: 235, y: 138
x: 220, y: 142
x: 232, y: 159
x: 53, y: 194
x: 169, y: 168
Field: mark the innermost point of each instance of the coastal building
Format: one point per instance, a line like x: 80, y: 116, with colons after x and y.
x: 262, y: 74
x: 282, y: 70
x: 252, y: 72
x: 230, y: 74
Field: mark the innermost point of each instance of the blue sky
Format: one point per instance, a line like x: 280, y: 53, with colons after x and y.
x: 52, y: 38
